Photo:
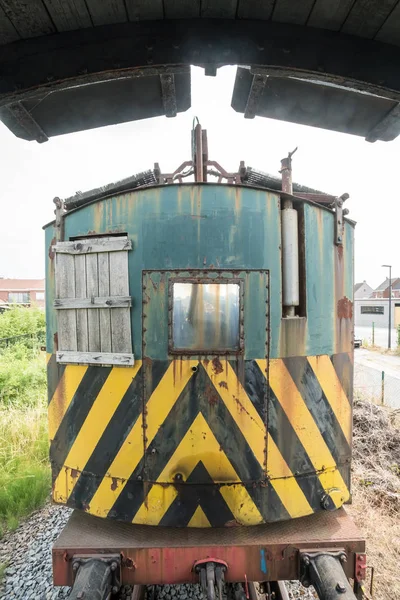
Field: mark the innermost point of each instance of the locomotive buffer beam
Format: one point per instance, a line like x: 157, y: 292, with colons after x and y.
x: 96, y: 577
x: 161, y: 555
x: 325, y: 572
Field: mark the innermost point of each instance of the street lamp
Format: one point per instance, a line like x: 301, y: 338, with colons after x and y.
x: 390, y: 304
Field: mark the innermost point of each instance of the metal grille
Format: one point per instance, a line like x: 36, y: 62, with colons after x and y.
x: 259, y: 178
x: 130, y: 183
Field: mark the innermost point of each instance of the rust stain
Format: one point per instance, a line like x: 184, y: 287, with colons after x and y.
x: 223, y: 384
x: 114, y: 484
x: 240, y: 405
x: 340, y: 252
x: 128, y: 563
x: 345, y: 308
x: 211, y: 395
x: 55, y: 338
x: 74, y: 473
x: 217, y: 366
x: 51, y: 251
x: 206, y: 361
x: 232, y: 523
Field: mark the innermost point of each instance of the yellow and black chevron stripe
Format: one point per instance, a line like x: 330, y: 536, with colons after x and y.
x: 202, y: 443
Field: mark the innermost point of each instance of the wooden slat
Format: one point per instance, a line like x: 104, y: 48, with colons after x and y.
x: 92, y: 289
x: 8, y: 33
x: 81, y: 315
x: 99, y: 302
x: 143, y: 9
x: 97, y: 245
x: 255, y: 9
x: 389, y: 32
x: 107, y: 11
x: 95, y: 358
x: 225, y: 9
x: 29, y: 17
x: 330, y: 14
x: 367, y: 17
x: 104, y: 288
x: 178, y: 9
x: 121, y: 340
x: 287, y: 11
x: 65, y: 288
x: 70, y: 15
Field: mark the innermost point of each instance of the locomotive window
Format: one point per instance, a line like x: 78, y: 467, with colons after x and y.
x: 205, y: 316
x: 372, y: 310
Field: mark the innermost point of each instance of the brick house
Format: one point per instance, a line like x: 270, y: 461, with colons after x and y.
x: 382, y: 291
x: 22, y: 291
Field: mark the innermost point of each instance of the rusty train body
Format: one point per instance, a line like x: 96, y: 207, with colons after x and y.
x: 200, y: 362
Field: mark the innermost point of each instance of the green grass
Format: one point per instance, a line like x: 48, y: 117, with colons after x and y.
x: 24, y: 464
x: 24, y: 467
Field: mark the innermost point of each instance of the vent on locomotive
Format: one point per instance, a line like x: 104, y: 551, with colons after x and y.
x: 200, y: 347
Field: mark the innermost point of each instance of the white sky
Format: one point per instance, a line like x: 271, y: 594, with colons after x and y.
x: 33, y: 174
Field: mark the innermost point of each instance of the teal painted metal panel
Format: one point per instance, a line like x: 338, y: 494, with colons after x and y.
x: 320, y: 277
x: 190, y: 226
x: 254, y: 293
x: 349, y: 260
x: 51, y: 320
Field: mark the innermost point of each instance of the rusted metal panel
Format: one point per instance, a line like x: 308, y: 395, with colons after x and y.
x: 168, y: 555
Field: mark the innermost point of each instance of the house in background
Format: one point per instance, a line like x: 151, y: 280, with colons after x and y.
x: 25, y: 292
x: 382, y: 291
x: 362, y: 290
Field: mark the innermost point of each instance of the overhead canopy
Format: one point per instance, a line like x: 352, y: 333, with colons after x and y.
x: 165, y: 92
x: 328, y: 63
x: 315, y: 103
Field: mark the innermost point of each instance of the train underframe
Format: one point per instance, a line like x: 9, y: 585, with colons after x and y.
x: 97, y: 556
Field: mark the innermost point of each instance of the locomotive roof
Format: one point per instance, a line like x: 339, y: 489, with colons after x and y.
x: 250, y: 177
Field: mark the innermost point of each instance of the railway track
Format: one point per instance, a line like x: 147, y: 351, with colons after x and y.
x: 276, y: 590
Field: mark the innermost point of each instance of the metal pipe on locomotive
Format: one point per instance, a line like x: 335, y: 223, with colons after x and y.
x: 200, y: 382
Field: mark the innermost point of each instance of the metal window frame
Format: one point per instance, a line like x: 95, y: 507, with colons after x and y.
x: 206, y: 277
x: 372, y: 312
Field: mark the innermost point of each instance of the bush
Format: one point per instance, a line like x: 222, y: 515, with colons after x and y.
x: 21, y: 321
x: 22, y: 376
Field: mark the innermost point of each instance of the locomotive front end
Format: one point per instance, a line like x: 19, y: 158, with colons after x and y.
x: 200, y: 361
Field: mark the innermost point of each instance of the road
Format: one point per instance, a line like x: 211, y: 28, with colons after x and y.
x: 381, y: 335
x: 368, y: 367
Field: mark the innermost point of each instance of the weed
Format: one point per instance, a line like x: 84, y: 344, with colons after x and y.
x: 24, y: 465
x: 24, y: 468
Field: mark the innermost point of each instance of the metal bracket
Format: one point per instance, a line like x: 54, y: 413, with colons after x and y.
x: 340, y: 213
x: 59, y: 212
x: 325, y: 572
x: 211, y: 576
x: 96, y: 576
x: 360, y: 567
